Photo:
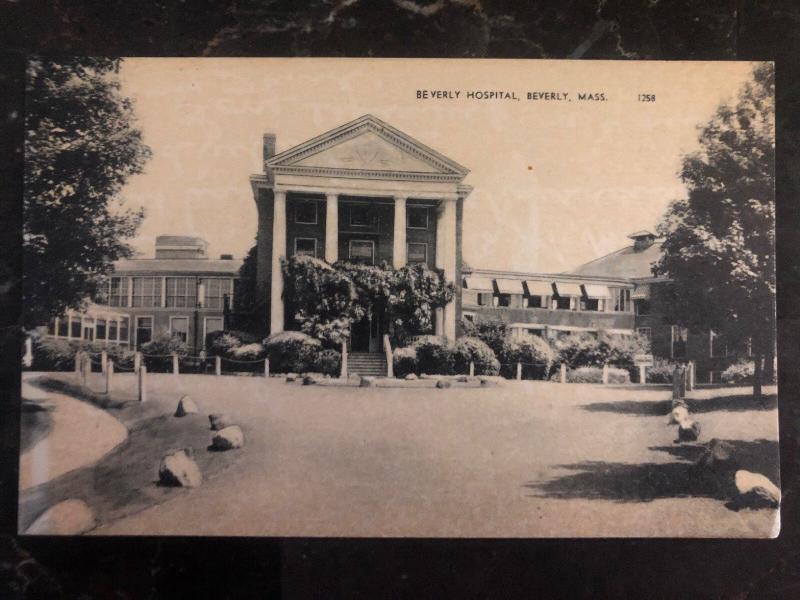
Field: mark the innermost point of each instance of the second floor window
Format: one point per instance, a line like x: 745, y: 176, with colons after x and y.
x: 216, y: 290
x: 147, y: 291
x: 181, y: 292
x: 417, y: 217
x: 306, y: 213
x: 118, y: 295
x: 622, y: 299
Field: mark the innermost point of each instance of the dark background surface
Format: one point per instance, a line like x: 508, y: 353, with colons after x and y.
x: 243, y: 568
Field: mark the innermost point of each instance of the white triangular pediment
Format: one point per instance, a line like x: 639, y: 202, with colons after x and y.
x: 367, y: 145
x: 367, y: 151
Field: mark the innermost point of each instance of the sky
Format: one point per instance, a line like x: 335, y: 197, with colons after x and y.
x: 556, y: 182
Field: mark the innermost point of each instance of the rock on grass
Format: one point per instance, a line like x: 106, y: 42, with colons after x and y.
x: 228, y: 438
x: 186, y: 406
x: 179, y: 469
x: 756, y: 491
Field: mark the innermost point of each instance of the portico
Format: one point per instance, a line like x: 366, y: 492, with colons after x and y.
x: 363, y: 192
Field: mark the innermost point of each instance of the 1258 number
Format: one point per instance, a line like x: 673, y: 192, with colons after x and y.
x: 646, y: 97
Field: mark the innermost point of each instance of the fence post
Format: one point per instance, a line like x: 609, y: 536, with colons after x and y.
x: 344, y: 360
x: 605, y: 374
x: 109, y: 375
x: 563, y: 373
x: 137, y: 361
x: 86, y: 366
x: 142, y: 384
x: 103, y: 361
x: 690, y: 383
x: 266, y: 367
x: 471, y: 369
x: 642, y: 374
x: 78, y: 358
x: 519, y: 371
x: 175, y: 367
x: 218, y: 365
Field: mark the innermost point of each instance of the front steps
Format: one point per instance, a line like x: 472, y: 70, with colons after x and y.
x: 369, y: 364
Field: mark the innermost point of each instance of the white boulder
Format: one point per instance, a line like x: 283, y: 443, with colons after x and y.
x: 219, y: 421
x: 70, y: 517
x: 756, y: 490
x: 228, y: 438
x: 186, y: 406
x: 179, y: 469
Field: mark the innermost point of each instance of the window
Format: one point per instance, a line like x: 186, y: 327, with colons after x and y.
x: 537, y: 301
x: 590, y: 304
x: 504, y: 300
x: 144, y: 330
x: 100, y: 329
x: 63, y: 327
x: 362, y: 251
x: 75, y: 328
x: 181, y: 292
x: 179, y: 327
x: 485, y: 298
x: 642, y: 307
x: 88, y: 329
x: 680, y: 337
x: 359, y: 215
x: 645, y: 332
x: 119, y: 291
x: 216, y: 290
x: 562, y: 302
x: 417, y: 252
x: 123, y: 329
x: 305, y: 247
x: 469, y: 317
x: 212, y: 324
x: 417, y: 217
x: 147, y: 291
x: 717, y: 346
x: 305, y: 213
x: 112, y: 330
x: 622, y: 299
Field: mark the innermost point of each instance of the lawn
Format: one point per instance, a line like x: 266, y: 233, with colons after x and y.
x: 525, y: 459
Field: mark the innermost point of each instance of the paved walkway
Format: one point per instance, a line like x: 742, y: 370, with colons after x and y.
x: 80, y: 435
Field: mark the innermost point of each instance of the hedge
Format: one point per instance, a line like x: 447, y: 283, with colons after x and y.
x: 434, y: 355
x: 292, y: 352
x: 472, y: 350
x: 534, y: 353
x: 404, y: 361
x: 595, y: 375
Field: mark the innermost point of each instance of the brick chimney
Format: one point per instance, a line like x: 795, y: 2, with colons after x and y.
x: 642, y: 240
x: 269, y: 146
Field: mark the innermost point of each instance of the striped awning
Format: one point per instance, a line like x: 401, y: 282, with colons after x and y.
x: 509, y: 286
x: 641, y: 292
x: 596, y: 292
x: 568, y: 289
x: 539, y: 288
x: 479, y: 284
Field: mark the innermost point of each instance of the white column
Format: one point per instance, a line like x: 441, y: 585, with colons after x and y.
x: 441, y: 259
x: 448, y: 243
x: 332, y: 228
x: 278, y: 252
x: 399, y: 258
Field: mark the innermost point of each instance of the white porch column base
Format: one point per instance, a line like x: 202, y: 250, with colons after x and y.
x: 399, y: 258
x: 332, y: 227
x: 278, y: 252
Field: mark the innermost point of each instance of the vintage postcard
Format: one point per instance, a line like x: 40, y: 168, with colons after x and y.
x: 424, y: 298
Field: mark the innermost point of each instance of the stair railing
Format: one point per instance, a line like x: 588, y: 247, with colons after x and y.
x: 387, y: 349
x: 343, y: 373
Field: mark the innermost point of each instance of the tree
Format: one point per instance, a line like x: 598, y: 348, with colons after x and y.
x: 719, y: 246
x: 81, y: 147
x: 249, y: 307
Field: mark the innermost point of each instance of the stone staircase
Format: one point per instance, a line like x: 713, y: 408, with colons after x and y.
x: 371, y: 364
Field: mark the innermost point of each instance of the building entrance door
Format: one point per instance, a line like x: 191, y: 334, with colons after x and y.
x: 366, y: 334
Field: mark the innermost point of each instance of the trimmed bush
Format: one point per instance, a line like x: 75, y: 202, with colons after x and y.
x: 243, y: 337
x: 291, y: 352
x: 581, y: 350
x: 534, y: 353
x: 52, y: 354
x: 739, y: 372
x: 660, y: 372
x: 434, y: 355
x: 404, y: 361
x: 595, y: 375
x: 329, y: 362
x: 254, y: 351
x: 469, y: 349
x: 160, y: 349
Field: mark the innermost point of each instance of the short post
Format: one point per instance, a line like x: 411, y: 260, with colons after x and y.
x: 519, y: 371
x: 143, y: 384
x: 218, y: 365
x: 86, y: 365
x: 109, y: 375
x: 711, y: 376
x: 27, y: 360
x: 103, y: 361
x: 137, y: 361
x: 471, y: 369
x: 343, y: 374
x: 78, y: 358
x: 563, y: 373
x: 642, y: 374
x: 605, y: 374
x: 690, y: 383
x: 266, y: 367
x: 676, y: 383
x: 175, y: 366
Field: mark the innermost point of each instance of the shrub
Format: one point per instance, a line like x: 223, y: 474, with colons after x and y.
x: 660, y: 372
x: 494, y: 334
x: 534, y: 353
x: 254, y: 351
x: 233, y: 338
x: 291, y: 351
x: 739, y: 372
x: 159, y: 350
x: 122, y: 356
x: 434, y: 355
x: 581, y: 350
x: 595, y: 375
x: 329, y: 362
x: 52, y: 354
x: 404, y: 361
x: 469, y: 349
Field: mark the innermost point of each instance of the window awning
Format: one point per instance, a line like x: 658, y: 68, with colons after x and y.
x: 479, y: 284
x: 568, y: 289
x: 619, y: 331
x: 572, y: 328
x: 641, y: 292
x: 539, y: 288
x: 509, y: 286
x: 596, y: 292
